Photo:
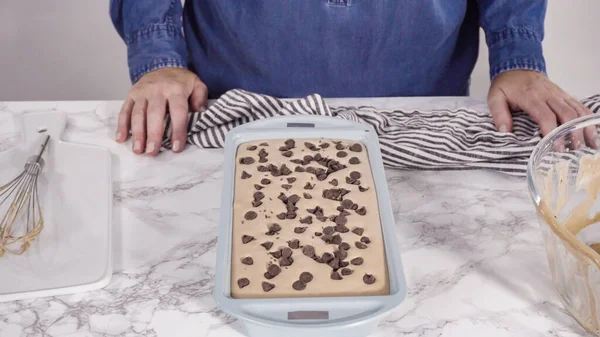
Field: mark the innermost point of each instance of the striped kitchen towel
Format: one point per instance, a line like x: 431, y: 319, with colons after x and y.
x: 439, y: 139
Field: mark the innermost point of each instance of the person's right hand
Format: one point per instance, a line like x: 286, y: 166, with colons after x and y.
x: 145, y: 107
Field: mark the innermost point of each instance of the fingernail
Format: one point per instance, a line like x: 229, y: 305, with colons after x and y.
x: 150, y: 148
x: 176, y: 145
x: 503, y: 128
x: 137, y: 145
x: 118, y: 136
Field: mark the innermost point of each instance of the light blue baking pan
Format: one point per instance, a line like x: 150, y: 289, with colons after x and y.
x: 355, y: 316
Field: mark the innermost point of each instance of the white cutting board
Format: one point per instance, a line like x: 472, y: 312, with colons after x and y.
x: 73, y: 252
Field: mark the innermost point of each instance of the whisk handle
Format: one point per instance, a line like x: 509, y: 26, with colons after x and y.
x: 43, y: 147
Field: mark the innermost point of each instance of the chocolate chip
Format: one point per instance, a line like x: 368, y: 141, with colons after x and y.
x: 318, y: 233
x: 247, y: 238
x: 268, y: 276
x: 339, y: 146
x: 354, y: 161
x: 363, y: 189
x: 327, y: 257
x: 341, y: 228
x: 285, y: 170
x: 258, y: 195
x: 294, y: 244
x: 247, y: 160
x: 291, y: 179
x: 336, y: 276
x: 286, y: 253
x: 299, y: 169
x: 357, y: 261
x: 263, y: 160
x: 354, y: 207
x: 287, y: 154
x: 360, y: 245
x: 286, y: 186
x: 290, y: 143
x: 248, y: 261
x: 336, y: 239
x: 250, y: 215
x: 265, y: 181
x: 347, y: 203
x: 256, y: 203
x: 267, y: 244
x: 293, y: 199
x: 369, y: 279
x: 365, y: 239
x: 334, y: 182
x: 322, y: 218
x: 308, y: 250
x: 356, y: 147
x: 334, y: 264
x: 273, y: 270
x: 307, y: 196
x: 340, y: 254
x: 310, y: 146
x: 324, y: 145
x: 262, y: 153
x: 299, y: 230
x: 344, y: 213
x: 347, y: 271
x: 306, y: 220
x: 306, y: 277
x: 341, y: 221
x: 251, y: 147
x: 273, y: 229
x: 361, y: 211
x: 282, y: 197
x: 291, y: 215
x: 267, y: 286
x: 344, y: 246
x: 315, y: 210
x: 296, y: 161
x: 246, y: 175
x: 243, y: 282
x: 283, y: 148
x: 299, y: 285
x: 309, y: 186
x: 281, y: 216
x: 328, y: 230
x: 352, y: 181
x: 276, y: 254
x: 355, y: 175
x: 344, y: 264
x: 285, y: 262
x: 258, y: 187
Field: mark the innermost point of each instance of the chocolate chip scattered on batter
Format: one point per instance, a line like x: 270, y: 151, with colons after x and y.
x: 248, y: 261
x: 352, y: 181
x: 324, y: 145
x: 267, y: 244
x: 258, y: 195
x: 246, y: 175
x: 252, y: 147
x: 287, y: 154
x: 344, y: 264
x: 336, y: 276
x: 354, y: 161
x: 341, y: 228
x: 344, y: 246
x: 285, y: 262
x: 339, y: 146
x: 286, y: 187
x: 344, y: 213
x: 310, y: 146
x: 318, y: 233
x: 327, y: 257
x: 354, y: 207
x: 306, y: 277
x: 307, y: 220
x: 290, y: 143
x: 291, y: 179
x: 243, y: 282
x: 299, y: 230
x: 336, y: 194
x: 308, y: 250
x: 267, y: 286
x: 341, y: 221
x: 357, y: 261
x: 317, y: 211
x: 286, y: 253
x: 340, y: 254
x: 363, y: 189
x: 361, y: 211
x: 265, y: 181
x: 355, y: 175
x: 247, y: 160
x: 334, y: 182
x: 328, y: 230
x: 274, y: 228
x: 250, y: 215
x: 281, y: 216
x: 299, y: 169
x: 307, y: 196
x: 341, y: 154
x: 294, y: 244
x: 276, y: 254
x: 256, y: 203
x: 263, y: 160
x: 336, y: 239
x: 258, y: 187
x: 346, y: 271
x: 283, y: 148
x: 322, y: 218
x: 360, y: 245
x: 273, y: 270
x: 369, y: 279
x: 299, y: 285
x: 309, y: 186
x: 356, y: 147
x: 268, y: 276
x: 365, y: 239
x: 247, y: 238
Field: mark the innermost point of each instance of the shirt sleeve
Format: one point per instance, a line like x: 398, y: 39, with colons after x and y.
x: 153, y: 33
x: 514, y: 30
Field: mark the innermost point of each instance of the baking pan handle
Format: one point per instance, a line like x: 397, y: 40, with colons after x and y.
x: 303, y: 121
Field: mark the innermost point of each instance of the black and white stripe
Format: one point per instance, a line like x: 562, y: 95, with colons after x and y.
x: 422, y: 140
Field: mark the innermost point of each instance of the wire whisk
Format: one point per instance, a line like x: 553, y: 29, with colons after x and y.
x: 22, y: 219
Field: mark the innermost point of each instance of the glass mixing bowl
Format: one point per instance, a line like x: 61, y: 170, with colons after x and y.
x: 564, y: 181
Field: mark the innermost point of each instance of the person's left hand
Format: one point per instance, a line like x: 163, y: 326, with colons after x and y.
x: 546, y: 103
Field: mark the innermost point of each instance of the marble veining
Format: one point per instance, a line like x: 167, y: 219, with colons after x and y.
x: 471, y: 246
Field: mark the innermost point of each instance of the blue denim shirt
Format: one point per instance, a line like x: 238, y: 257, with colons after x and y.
x: 337, y: 48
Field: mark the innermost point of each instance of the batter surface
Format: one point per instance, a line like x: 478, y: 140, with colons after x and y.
x: 306, y: 221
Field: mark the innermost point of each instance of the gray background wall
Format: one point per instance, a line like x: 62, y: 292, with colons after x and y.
x: 68, y: 50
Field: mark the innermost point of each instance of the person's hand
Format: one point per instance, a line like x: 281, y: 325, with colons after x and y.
x: 546, y: 103
x: 145, y: 108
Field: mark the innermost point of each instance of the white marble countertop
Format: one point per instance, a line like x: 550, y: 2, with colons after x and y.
x: 471, y: 247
